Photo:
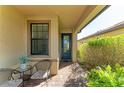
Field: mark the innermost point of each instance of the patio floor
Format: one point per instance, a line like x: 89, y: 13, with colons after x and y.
x: 69, y: 75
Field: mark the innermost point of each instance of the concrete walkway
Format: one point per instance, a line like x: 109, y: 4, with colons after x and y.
x: 69, y: 75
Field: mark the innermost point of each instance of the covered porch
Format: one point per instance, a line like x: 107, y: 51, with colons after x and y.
x: 69, y: 75
x: 43, y: 32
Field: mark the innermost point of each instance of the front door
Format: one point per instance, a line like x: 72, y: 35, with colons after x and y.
x: 66, y: 47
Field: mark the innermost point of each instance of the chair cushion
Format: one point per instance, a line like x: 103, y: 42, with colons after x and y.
x: 40, y: 75
x: 12, y: 83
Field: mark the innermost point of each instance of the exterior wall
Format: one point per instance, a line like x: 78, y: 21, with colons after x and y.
x: 115, y: 32
x: 54, y: 40
x: 74, y: 43
x: 66, y: 30
x: 112, y: 33
x: 12, y: 36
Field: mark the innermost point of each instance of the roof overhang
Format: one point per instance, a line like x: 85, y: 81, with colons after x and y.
x: 91, y: 16
x: 70, y: 16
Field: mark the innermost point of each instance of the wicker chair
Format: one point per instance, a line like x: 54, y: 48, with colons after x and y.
x: 7, y: 78
x: 43, y: 70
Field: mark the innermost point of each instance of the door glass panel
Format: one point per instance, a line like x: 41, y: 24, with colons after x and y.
x: 66, y: 43
x: 66, y: 47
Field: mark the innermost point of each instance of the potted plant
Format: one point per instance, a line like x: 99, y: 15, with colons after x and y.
x: 23, y: 62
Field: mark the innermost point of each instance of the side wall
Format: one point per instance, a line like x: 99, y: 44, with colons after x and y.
x: 115, y: 32
x: 12, y: 36
x: 112, y: 33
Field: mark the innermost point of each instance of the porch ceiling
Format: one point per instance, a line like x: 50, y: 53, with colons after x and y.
x: 69, y: 15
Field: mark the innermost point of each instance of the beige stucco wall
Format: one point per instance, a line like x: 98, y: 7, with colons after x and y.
x: 74, y: 46
x: 12, y: 35
x: 112, y: 33
x: 115, y: 32
x: 66, y: 30
x: 12, y: 38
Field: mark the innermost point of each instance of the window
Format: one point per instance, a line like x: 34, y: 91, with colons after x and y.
x: 39, y: 38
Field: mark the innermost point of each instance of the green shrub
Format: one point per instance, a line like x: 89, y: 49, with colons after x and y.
x: 104, y: 50
x: 81, y: 49
x: 106, y: 76
x: 100, y: 42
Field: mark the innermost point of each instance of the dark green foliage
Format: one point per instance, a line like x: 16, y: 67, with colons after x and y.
x: 106, y: 76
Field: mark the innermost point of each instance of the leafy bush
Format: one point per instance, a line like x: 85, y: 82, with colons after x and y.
x: 101, y: 42
x: 81, y: 49
x: 104, y: 50
x: 23, y: 59
x: 106, y: 76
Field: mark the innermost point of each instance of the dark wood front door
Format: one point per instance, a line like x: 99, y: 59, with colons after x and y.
x: 66, y: 48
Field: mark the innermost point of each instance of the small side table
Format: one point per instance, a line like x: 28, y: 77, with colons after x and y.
x: 22, y: 72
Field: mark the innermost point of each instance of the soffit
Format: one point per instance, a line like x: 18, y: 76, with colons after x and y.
x: 69, y: 15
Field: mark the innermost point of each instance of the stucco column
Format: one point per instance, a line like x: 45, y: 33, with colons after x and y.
x: 74, y: 47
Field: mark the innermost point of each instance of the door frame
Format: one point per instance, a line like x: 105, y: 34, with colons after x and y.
x: 70, y: 35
